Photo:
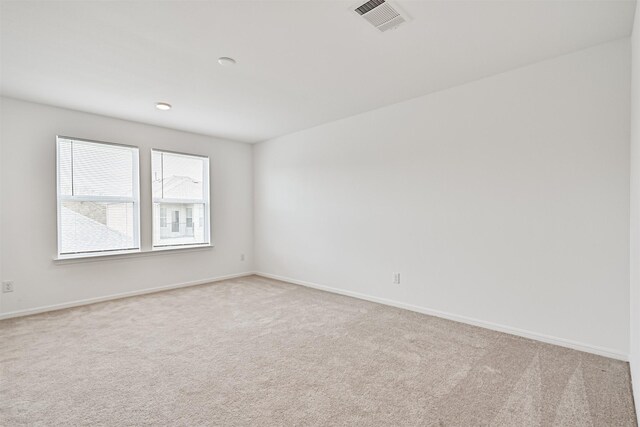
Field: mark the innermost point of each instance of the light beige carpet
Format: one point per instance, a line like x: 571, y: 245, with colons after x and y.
x: 258, y: 352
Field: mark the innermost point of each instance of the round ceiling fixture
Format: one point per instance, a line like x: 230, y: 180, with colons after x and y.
x: 163, y: 106
x: 225, y: 60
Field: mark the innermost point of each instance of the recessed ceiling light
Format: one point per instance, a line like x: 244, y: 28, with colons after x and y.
x: 225, y: 60
x: 163, y: 106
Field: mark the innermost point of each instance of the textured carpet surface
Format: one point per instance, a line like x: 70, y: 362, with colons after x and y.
x: 254, y: 351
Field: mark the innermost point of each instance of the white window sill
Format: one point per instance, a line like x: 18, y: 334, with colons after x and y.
x: 71, y: 259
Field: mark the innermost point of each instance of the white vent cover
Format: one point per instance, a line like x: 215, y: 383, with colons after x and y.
x: 380, y: 14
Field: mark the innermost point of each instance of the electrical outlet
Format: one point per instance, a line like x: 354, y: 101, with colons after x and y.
x: 396, y: 278
x: 241, y: 257
x: 7, y: 287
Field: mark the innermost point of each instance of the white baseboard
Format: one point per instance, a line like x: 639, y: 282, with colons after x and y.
x: 634, y: 367
x: 614, y: 354
x: 44, y: 309
x: 463, y: 319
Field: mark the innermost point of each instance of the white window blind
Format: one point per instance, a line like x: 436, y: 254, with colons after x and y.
x: 180, y: 199
x: 98, y: 197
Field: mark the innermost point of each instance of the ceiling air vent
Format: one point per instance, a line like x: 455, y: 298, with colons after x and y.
x: 380, y: 14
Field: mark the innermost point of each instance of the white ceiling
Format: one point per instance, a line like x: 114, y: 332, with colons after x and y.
x: 300, y: 63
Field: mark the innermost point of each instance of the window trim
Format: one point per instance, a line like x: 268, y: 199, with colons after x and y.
x: 128, y: 255
x: 135, y: 200
x: 206, y: 189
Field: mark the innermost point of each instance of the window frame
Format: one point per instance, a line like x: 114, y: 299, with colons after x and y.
x: 134, y: 199
x: 206, y: 201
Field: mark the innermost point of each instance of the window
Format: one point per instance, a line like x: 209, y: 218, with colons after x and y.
x: 163, y: 217
x: 175, y: 223
x: 98, y: 198
x: 180, y: 193
x: 189, y: 217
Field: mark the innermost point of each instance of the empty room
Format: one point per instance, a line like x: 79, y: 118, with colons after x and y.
x: 320, y: 213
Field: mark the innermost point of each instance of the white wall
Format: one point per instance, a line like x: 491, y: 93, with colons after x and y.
x: 635, y: 209
x: 1, y: 210
x: 28, y: 197
x: 505, y: 200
